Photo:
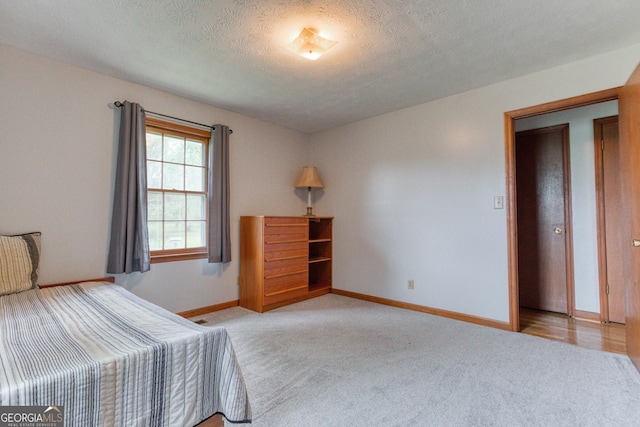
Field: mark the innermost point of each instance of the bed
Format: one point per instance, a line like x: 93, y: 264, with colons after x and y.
x: 111, y: 358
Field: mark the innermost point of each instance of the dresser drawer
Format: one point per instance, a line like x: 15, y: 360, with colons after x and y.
x: 277, y: 234
x: 285, y: 267
x: 285, y: 287
x: 286, y: 250
x: 284, y: 220
x: 285, y: 296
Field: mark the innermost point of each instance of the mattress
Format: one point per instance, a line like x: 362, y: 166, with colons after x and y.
x: 111, y: 358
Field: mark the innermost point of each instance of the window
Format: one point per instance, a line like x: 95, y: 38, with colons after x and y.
x: 177, y: 190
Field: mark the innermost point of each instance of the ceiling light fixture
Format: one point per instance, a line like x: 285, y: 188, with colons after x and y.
x: 310, y: 45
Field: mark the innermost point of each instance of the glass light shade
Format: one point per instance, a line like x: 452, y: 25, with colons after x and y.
x: 310, y: 45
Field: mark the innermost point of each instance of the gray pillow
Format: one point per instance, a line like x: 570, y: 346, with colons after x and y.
x: 19, y: 262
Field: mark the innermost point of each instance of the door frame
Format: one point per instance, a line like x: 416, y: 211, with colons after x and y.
x: 510, y: 160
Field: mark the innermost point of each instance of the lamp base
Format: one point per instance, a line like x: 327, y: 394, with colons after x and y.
x: 309, y: 212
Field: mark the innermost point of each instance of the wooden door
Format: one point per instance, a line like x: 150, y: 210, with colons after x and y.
x: 629, y: 116
x: 609, y: 197
x: 542, y: 177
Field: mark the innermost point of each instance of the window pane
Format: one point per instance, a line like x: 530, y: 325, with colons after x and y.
x: 174, y: 235
x: 173, y: 177
x: 154, y: 206
x: 194, y: 178
x: 154, y: 175
x: 196, y: 207
x: 195, y: 234
x: 154, y: 146
x: 174, y: 207
x: 155, y: 235
x: 173, y: 149
x: 195, y: 153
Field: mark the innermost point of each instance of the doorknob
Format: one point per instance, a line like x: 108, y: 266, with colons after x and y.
x: 558, y: 230
x: 636, y: 243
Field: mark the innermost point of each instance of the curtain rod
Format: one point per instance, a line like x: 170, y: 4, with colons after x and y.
x: 120, y: 104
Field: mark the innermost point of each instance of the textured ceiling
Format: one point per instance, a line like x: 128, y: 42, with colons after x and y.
x: 390, y: 54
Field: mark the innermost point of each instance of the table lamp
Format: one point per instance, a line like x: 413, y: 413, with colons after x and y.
x: 309, y: 179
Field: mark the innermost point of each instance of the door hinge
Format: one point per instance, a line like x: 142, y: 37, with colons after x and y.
x: 602, y: 144
x: 607, y: 289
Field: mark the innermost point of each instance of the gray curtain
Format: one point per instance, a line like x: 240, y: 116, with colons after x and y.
x: 129, y: 247
x: 219, y: 224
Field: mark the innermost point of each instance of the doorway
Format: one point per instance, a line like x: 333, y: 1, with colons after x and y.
x: 510, y: 150
x: 545, y: 257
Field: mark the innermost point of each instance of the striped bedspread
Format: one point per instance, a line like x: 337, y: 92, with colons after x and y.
x: 113, y: 359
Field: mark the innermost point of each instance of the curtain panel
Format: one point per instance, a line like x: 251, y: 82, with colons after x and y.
x: 129, y: 246
x: 219, y: 242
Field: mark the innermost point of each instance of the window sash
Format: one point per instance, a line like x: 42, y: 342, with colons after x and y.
x: 187, y: 134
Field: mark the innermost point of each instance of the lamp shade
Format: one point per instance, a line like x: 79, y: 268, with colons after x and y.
x: 309, y: 178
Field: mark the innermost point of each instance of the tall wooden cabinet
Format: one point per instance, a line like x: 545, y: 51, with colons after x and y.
x: 284, y: 259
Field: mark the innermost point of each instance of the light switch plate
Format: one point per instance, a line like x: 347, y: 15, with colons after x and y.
x: 498, y: 202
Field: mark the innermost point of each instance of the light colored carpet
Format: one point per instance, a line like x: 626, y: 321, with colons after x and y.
x: 337, y: 361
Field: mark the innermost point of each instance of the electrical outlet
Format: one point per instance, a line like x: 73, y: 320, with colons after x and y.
x: 410, y: 284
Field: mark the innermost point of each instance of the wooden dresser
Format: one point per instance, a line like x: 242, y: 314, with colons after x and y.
x: 284, y: 259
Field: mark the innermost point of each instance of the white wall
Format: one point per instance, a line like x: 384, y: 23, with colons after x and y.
x: 583, y: 193
x: 412, y: 191
x: 57, y: 166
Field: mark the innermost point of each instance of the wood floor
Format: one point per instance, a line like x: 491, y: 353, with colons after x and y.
x: 584, y: 333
